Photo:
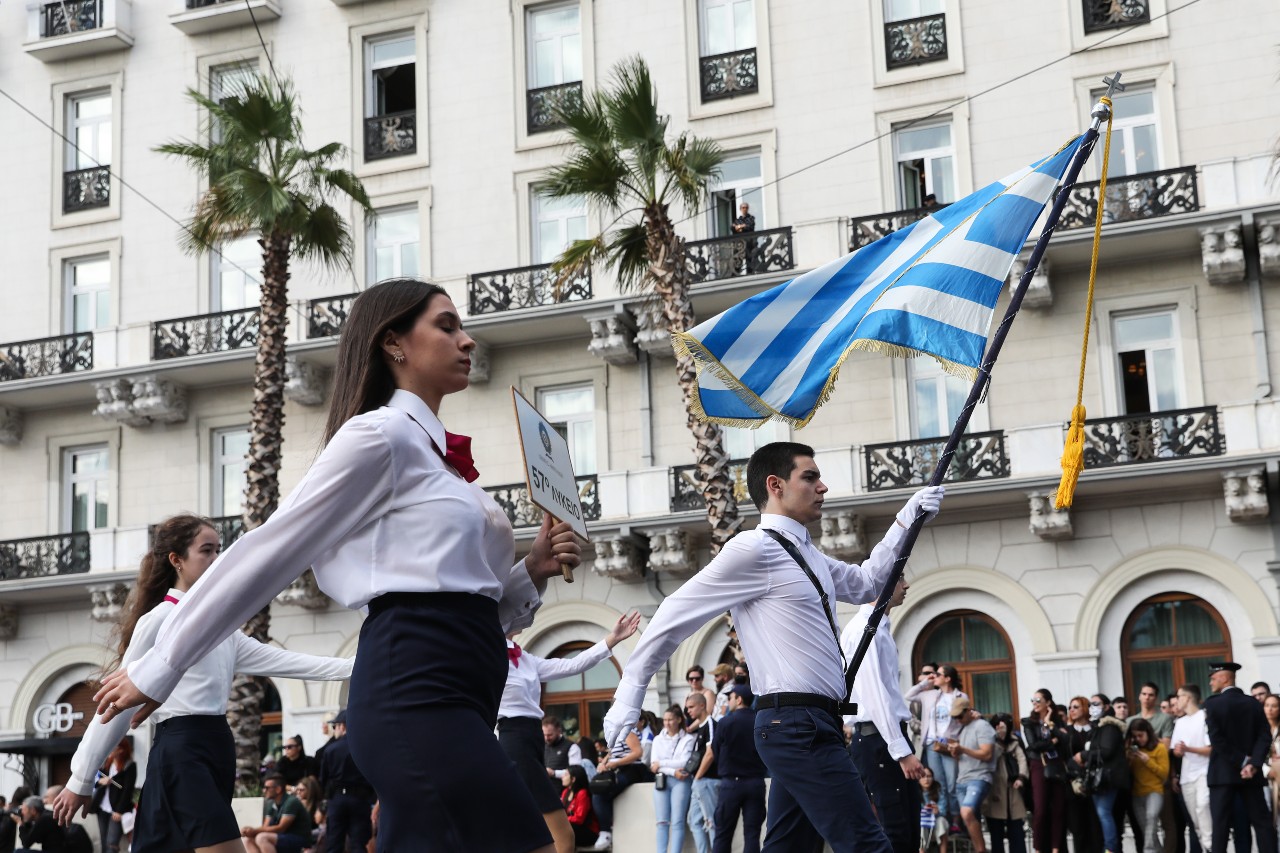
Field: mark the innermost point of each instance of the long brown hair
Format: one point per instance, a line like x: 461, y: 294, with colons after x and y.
x: 362, y: 379
x: 156, y: 575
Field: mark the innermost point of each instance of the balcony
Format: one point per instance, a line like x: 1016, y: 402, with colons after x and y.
x: 865, y: 230
x: 728, y: 75
x: 901, y: 464
x: 1133, y: 198
x: 522, y: 512
x: 327, y: 316
x: 739, y: 255
x: 686, y: 494
x: 204, y: 333
x: 207, y: 16
x: 44, y: 556
x: 85, y: 189
x: 1154, y: 437
x: 391, y: 135
x: 915, y: 41
x: 542, y: 104
x: 1102, y: 15
x: 70, y: 28
x: 46, y: 356
x: 522, y: 287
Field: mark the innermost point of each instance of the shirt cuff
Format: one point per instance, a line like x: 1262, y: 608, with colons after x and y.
x: 630, y: 694
x: 80, y: 786
x: 154, y: 676
x: 899, y: 748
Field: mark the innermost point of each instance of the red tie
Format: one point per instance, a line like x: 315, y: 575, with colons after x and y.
x: 513, y: 655
x: 458, y: 454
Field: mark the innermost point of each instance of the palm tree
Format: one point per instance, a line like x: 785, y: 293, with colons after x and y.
x: 623, y: 164
x: 264, y: 181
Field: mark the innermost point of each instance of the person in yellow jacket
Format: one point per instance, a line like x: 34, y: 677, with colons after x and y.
x: 1149, y: 762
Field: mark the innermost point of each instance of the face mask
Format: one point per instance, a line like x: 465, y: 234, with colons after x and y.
x: 1095, y: 713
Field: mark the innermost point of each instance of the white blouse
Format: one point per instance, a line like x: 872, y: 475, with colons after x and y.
x: 379, y: 511
x: 523, y: 689
x: 203, y: 689
x: 671, y: 753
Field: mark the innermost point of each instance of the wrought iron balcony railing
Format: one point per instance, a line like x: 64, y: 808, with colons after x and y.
x: 865, y: 230
x: 522, y: 287
x: 1113, y: 14
x: 201, y: 4
x: 65, y: 17
x: 229, y: 529
x: 686, y: 493
x: 915, y: 41
x: 1154, y: 437
x: 728, y: 75
x: 392, y: 135
x: 44, y: 556
x: 204, y: 333
x: 86, y: 188
x: 740, y: 254
x: 1133, y: 198
x: 522, y: 512
x: 979, y: 456
x: 46, y: 356
x: 542, y: 104
x: 327, y: 316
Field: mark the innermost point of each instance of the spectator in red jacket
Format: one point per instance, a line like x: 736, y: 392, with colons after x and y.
x: 577, y: 802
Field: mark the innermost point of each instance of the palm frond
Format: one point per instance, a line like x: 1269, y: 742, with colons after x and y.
x: 627, y: 255
x: 601, y: 177
x: 320, y: 233
x: 692, y: 164
x: 631, y: 104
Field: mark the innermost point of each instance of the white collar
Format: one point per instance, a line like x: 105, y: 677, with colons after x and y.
x: 175, y: 592
x: 414, y: 406
x: 786, y: 525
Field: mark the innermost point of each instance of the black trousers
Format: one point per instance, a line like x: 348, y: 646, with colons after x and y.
x: 1220, y: 805
x: 350, y: 817
x: 895, y: 797
x: 735, y: 797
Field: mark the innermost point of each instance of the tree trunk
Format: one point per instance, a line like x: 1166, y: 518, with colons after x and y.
x: 244, y: 714
x: 670, y: 279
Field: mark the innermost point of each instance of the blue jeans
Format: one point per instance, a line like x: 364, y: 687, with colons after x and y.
x: 702, y: 813
x: 1104, y: 804
x: 670, y: 806
x: 944, y: 771
x: 971, y: 794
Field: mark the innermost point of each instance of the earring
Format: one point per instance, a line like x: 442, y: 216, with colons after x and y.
x: 399, y: 357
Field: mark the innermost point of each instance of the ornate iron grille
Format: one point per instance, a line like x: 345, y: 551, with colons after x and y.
x: 86, y: 188
x: 542, y: 105
x: 865, y: 230
x: 204, y: 333
x: 200, y: 4
x: 686, y: 492
x: 979, y: 456
x: 44, y: 556
x: 728, y: 75
x: 1133, y: 198
x: 1154, y: 437
x: 70, y: 16
x: 1112, y: 14
x: 740, y: 254
x: 327, y: 316
x: 522, y: 287
x: 46, y: 356
x: 522, y: 512
x: 915, y: 41
x: 392, y: 135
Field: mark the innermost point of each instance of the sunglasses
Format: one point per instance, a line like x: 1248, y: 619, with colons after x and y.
x: 1095, y: 704
x: 927, y: 672
x: 290, y: 746
x: 1036, y: 700
x: 693, y: 678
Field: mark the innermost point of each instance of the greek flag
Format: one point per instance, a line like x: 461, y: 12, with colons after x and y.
x: 928, y: 288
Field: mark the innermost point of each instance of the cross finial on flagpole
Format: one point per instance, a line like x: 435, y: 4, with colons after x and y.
x: 1113, y: 84
x: 1102, y: 110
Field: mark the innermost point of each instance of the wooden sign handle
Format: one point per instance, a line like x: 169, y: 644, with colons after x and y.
x: 565, y: 571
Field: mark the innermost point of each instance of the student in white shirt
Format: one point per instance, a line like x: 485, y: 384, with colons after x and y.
x: 389, y: 518
x: 1191, y: 743
x: 671, y: 750
x: 186, y: 802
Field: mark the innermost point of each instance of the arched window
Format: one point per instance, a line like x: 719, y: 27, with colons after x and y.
x: 581, y: 701
x: 980, y: 650
x: 1169, y: 639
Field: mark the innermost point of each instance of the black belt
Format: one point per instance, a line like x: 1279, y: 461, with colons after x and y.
x: 866, y: 728
x: 834, y: 707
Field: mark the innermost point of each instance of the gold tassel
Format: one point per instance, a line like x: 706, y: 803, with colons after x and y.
x: 1072, y: 459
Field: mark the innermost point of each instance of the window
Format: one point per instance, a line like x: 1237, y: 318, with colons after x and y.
x: 740, y: 182
x: 981, y: 653
x: 392, y: 76
x: 393, y: 240
x: 228, y: 81
x: 905, y: 10
x: 556, y: 223
x: 741, y: 443
x: 88, y: 289
x: 89, y: 120
x: 925, y: 156
x: 1170, y: 639
x: 936, y: 399
x: 581, y: 701
x: 572, y: 410
x: 235, y: 275
x: 1148, y: 362
x: 1135, y: 147
x: 230, y: 449
x: 554, y: 34
x: 727, y: 26
x: 85, y: 488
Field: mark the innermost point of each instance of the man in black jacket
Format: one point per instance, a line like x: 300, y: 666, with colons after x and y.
x: 38, y: 827
x: 741, y: 788
x: 351, y: 797
x: 1239, y: 737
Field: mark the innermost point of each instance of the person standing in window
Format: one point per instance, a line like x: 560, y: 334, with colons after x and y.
x: 744, y: 222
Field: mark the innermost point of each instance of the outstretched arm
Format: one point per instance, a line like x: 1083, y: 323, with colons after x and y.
x: 255, y: 658
x: 549, y: 669
x: 859, y: 584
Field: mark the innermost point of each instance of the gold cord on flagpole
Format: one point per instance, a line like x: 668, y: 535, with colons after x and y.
x: 1073, y: 450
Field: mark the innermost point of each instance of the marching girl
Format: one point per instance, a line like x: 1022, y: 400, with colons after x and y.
x: 520, y: 727
x: 186, y: 803
x: 389, y: 519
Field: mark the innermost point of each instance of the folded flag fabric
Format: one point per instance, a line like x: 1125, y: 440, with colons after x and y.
x: 930, y: 288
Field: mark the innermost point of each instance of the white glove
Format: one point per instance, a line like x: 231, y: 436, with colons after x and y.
x: 620, y: 720
x: 928, y: 499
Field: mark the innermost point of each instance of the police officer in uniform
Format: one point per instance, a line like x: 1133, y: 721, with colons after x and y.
x: 1238, y: 738
x: 350, y: 795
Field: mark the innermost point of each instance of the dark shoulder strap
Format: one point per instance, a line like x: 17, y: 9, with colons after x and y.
x: 791, y: 549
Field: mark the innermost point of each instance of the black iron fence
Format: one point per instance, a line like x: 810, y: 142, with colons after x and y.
x: 1154, y: 437
x: 865, y: 230
x: 1113, y: 14
x: 70, y: 16
x: 915, y: 41
x: 204, y: 333
x: 522, y: 512
x: 542, y: 105
x: 326, y: 316
x: 84, y: 189
x: 686, y: 491
x: 898, y: 464
x: 728, y: 75
x: 44, y: 556
x: 391, y: 135
x: 46, y: 356
x: 1133, y: 198
x: 523, y: 287
x: 751, y: 253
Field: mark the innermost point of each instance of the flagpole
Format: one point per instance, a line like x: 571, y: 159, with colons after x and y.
x: 1101, y: 112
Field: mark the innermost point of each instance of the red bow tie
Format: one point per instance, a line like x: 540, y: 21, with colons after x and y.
x: 458, y: 454
x: 513, y: 654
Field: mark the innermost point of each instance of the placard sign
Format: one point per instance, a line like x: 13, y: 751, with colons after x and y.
x: 547, y: 466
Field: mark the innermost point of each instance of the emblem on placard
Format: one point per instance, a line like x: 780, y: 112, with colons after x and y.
x: 545, y: 437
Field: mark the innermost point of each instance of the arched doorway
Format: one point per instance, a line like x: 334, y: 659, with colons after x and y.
x: 581, y: 701
x: 80, y: 697
x: 1170, y: 639
x: 980, y: 650
x: 271, y: 737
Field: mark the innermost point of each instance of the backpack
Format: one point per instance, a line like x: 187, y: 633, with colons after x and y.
x: 76, y: 840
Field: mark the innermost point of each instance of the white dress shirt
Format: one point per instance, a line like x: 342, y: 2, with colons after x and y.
x: 379, y: 511
x: 523, y: 690
x: 203, y: 689
x: 876, y: 689
x: 671, y: 752
x: 780, y: 621
x: 1193, y: 731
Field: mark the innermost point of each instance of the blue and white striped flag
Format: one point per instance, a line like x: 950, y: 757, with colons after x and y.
x: 929, y: 288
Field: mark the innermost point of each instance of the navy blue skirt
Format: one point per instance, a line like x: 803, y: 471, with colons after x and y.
x: 423, y: 702
x: 521, y: 739
x: 191, y: 775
